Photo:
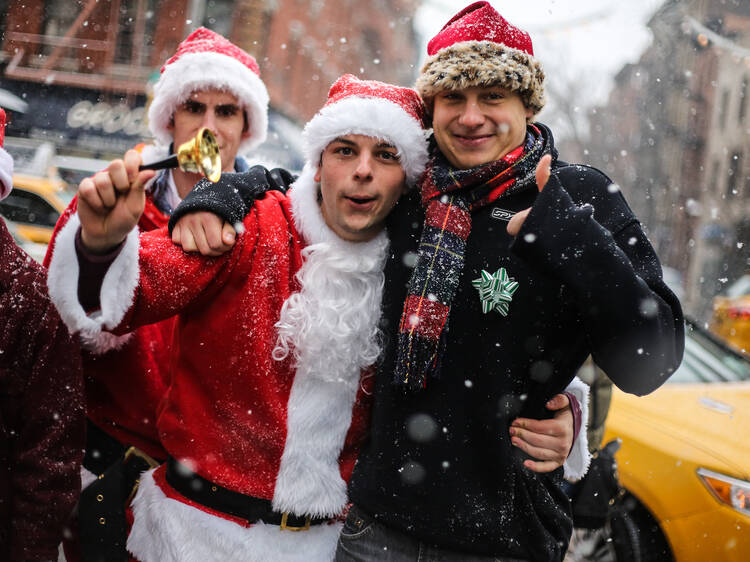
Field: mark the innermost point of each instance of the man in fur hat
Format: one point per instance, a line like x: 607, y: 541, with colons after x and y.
x: 524, y: 266
x: 41, y: 404
x: 267, y: 403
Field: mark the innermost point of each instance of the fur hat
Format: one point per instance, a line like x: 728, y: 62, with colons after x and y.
x: 478, y: 47
x: 376, y: 109
x: 206, y: 60
x: 6, y: 162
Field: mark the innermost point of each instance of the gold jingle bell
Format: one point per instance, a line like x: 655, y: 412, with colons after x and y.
x: 199, y: 155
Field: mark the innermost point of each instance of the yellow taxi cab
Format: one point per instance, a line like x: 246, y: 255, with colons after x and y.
x: 684, y: 461
x: 731, y: 318
x: 34, y: 206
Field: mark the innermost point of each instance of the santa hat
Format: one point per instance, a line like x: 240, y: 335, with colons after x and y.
x: 6, y: 162
x: 375, y: 109
x: 478, y: 47
x: 206, y: 60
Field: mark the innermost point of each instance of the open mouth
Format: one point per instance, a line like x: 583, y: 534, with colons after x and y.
x: 360, y: 202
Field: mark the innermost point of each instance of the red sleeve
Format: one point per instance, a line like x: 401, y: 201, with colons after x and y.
x: 171, y: 280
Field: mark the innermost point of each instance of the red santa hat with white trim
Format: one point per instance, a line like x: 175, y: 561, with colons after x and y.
x: 367, y: 107
x: 206, y: 60
x: 478, y: 47
x: 6, y: 162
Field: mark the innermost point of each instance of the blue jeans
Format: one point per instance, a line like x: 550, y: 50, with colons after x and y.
x: 364, y: 540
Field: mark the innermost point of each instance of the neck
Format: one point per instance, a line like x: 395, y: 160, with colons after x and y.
x: 184, y: 181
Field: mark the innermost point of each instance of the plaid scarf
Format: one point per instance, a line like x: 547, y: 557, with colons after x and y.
x: 449, y: 196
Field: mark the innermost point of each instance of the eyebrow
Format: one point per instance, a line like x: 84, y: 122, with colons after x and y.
x: 352, y: 143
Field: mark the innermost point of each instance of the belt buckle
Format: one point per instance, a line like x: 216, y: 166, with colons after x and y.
x: 285, y: 527
x: 136, y: 452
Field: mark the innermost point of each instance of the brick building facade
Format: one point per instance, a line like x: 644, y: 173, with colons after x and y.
x: 84, y: 65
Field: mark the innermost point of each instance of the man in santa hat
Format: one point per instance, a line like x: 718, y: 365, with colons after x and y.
x: 41, y: 403
x: 267, y: 401
x: 209, y: 82
x: 524, y: 265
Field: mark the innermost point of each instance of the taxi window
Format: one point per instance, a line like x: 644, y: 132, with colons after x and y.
x: 707, y: 360
x: 28, y: 208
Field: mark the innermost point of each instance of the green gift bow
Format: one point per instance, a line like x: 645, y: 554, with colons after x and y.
x: 495, y: 290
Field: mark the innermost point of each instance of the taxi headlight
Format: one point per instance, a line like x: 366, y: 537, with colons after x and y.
x: 729, y: 491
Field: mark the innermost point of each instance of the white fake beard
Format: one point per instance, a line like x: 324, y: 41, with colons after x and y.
x: 331, y: 324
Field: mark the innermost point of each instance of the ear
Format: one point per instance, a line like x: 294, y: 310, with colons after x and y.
x: 245, y: 126
x: 316, y: 177
x: 170, y: 124
x: 529, y: 115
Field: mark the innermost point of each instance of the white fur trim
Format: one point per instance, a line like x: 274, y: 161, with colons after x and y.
x: 374, y: 117
x: 577, y: 464
x: 200, y: 71
x: 117, y: 292
x: 331, y: 325
x: 167, y: 530
x: 87, y: 477
x: 99, y: 343
x: 6, y: 173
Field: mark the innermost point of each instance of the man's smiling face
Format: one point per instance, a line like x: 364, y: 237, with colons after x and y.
x: 478, y: 125
x: 361, y: 179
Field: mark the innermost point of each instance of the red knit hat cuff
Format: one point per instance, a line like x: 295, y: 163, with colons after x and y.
x: 483, y: 63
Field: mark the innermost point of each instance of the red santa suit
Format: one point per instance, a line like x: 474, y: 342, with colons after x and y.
x: 126, y: 376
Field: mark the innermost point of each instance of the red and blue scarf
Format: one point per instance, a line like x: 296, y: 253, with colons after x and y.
x: 449, y: 196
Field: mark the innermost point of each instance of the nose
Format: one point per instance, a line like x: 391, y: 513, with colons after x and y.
x: 472, y: 115
x: 363, y: 171
x: 209, y: 120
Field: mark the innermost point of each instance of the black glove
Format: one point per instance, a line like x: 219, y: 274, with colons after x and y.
x: 232, y: 197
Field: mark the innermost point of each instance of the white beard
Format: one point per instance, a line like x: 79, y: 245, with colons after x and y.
x: 331, y: 324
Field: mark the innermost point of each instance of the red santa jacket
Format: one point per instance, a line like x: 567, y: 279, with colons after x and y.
x: 286, y: 429
x: 126, y: 377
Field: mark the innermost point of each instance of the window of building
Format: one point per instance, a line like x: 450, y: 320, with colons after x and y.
x: 723, y: 109
x: 58, y: 17
x: 218, y: 16
x: 715, y: 176
x: 134, y: 28
x: 735, y: 165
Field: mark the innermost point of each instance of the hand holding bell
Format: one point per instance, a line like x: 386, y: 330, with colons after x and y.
x: 199, y: 155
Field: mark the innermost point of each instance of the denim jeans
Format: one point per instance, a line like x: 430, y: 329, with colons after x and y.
x: 364, y: 540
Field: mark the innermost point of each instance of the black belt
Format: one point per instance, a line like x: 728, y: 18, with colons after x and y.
x: 196, y: 488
